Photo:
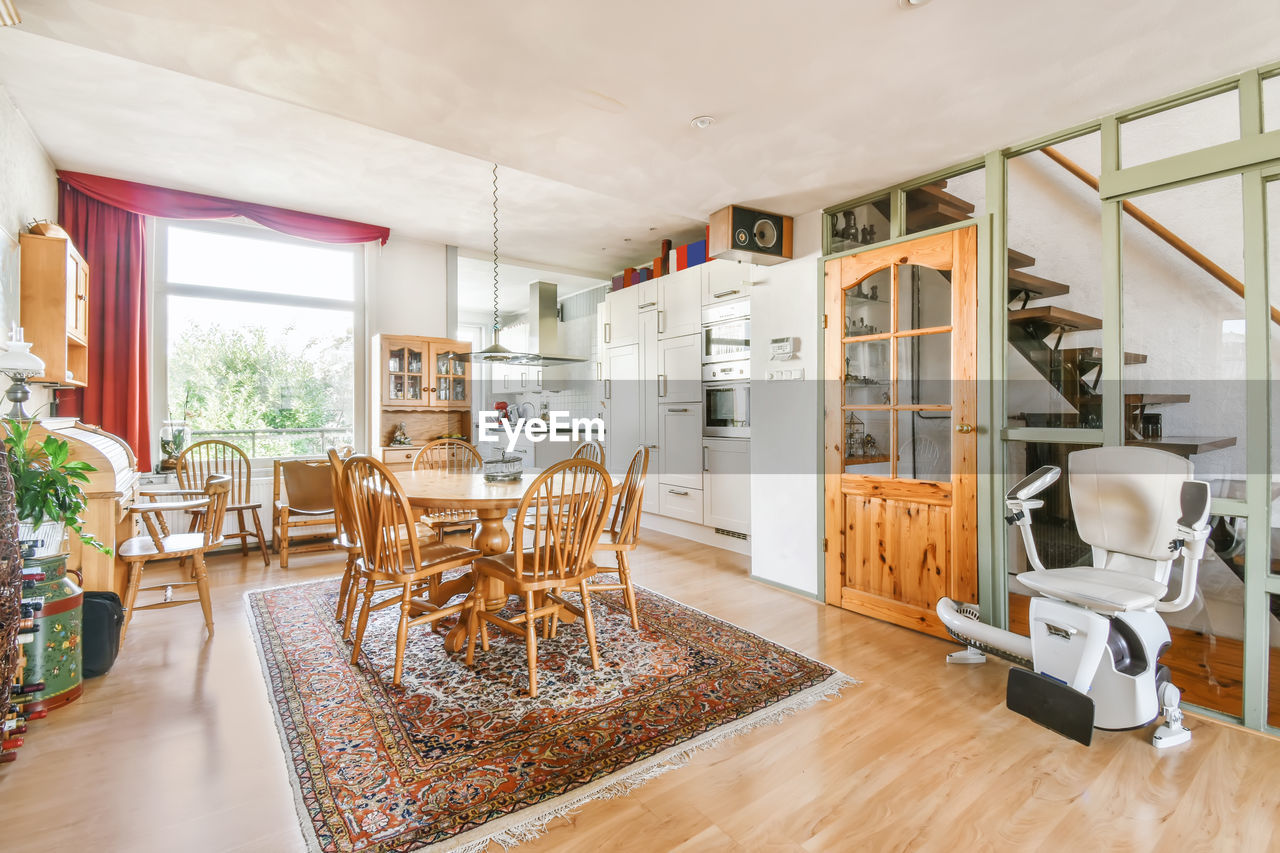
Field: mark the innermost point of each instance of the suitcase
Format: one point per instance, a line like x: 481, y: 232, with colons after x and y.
x: 103, y: 619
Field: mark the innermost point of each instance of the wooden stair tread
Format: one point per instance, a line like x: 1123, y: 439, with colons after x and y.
x: 1095, y: 354
x: 1021, y: 281
x: 1068, y: 321
x: 1019, y: 259
x: 1185, y: 445
x: 1155, y: 399
x: 934, y: 194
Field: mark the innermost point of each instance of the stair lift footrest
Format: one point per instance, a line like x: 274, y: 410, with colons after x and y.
x: 1051, y: 703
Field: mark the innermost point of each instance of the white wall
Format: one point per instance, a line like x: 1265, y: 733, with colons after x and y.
x: 786, y: 529
x: 28, y: 190
x: 407, y: 292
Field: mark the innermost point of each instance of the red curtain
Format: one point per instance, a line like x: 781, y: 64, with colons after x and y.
x: 118, y: 395
x: 176, y: 204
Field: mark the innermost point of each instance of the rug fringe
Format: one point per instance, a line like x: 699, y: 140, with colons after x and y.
x: 622, y: 783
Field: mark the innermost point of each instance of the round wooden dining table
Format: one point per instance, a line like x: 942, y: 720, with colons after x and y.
x: 490, y: 502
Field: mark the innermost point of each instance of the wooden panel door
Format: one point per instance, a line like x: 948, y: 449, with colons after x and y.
x: 450, y: 374
x: 900, y: 439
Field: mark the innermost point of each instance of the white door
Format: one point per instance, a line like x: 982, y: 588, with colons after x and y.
x: 621, y: 317
x: 726, y: 484
x: 680, y: 435
x: 680, y: 303
x: 622, y: 402
x: 680, y: 369
x: 648, y: 333
x: 723, y: 281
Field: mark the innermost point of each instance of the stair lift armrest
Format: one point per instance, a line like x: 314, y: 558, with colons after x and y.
x: 1020, y: 516
x: 1193, y: 529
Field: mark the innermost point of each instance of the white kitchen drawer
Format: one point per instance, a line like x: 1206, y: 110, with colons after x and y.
x: 679, y: 502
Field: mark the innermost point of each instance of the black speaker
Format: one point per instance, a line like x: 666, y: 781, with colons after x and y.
x: 743, y: 234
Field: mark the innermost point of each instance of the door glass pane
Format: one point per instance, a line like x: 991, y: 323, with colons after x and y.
x: 858, y: 226
x: 1273, y: 276
x: 414, y: 387
x: 415, y: 361
x: 395, y: 361
x: 867, y: 442
x: 1271, y: 105
x: 866, y: 373
x: 924, y: 445
x: 944, y: 202
x: 396, y: 391
x: 1187, y: 396
x: 924, y: 297
x: 866, y: 305
x: 1054, y: 358
x: 1273, y: 665
x: 924, y: 370
x: 1190, y: 127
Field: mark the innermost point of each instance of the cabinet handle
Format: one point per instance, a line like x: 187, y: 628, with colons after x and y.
x: 524, y: 378
x: 725, y: 293
x: 608, y: 390
x: 599, y: 371
x: 608, y: 332
x: 652, y: 446
x: 662, y: 322
x: 662, y: 385
x: 704, y: 458
x: 647, y: 304
x: 682, y: 409
x: 681, y: 492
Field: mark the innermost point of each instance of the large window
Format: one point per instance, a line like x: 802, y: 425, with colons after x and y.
x: 257, y: 337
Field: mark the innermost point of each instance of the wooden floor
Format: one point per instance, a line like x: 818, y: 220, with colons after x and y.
x: 176, y: 750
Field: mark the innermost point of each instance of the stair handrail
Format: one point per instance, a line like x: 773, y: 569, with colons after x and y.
x: 1155, y: 227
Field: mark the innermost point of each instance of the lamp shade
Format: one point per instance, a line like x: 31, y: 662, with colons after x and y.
x: 19, y: 358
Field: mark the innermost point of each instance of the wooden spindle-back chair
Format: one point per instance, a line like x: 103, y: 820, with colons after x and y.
x: 159, y: 544
x: 450, y: 456
x: 212, y: 456
x: 345, y: 539
x: 592, y: 450
x: 565, y: 510
x: 622, y: 533
x: 392, y: 555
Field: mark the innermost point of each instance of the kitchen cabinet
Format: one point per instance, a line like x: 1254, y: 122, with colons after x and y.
x: 724, y: 281
x: 622, y: 317
x: 422, y: 383
x: 647, y: 295
x: 726, y: 484
x: 54, y: 305
x: 450, y: 374
x: 680, y: 437
x: 679, y: 369
x: 678, y: 502
x: 648, y: 391
x: 622, y: 403
x: 680, y: 303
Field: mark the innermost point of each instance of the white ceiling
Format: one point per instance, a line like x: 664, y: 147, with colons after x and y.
x: 390, y: 111
x: 475, y: 287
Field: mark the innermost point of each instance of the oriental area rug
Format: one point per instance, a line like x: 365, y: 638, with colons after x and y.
x: 458, y: 758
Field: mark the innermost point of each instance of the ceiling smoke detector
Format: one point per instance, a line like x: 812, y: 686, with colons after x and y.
x: 912, y: 4
x: 702, y: 122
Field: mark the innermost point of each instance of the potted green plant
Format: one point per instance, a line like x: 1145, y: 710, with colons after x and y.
x: 46, y: 488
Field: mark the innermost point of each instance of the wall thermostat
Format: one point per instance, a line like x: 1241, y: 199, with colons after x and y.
x: 782, y: 349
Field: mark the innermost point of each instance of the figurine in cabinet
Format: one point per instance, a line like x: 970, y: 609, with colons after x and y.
x: 400, y: 437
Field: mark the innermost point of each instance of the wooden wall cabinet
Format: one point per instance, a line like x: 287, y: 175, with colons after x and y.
x: 421, y: 384
x: 55, y: 308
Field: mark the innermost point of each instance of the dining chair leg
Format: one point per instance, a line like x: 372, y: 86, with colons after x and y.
x: 284, y: 538
x: 531, y: 645
x: 130, y: 596
x: 343, y: 589
x: 589, y: 623
x: 364, y: 621
x: 244, y: 538
x: 262, y: 541
x: 353, y: 597
x: 472, y: 619
x: 628, y: 591
x: 402, y: 635
x: 202, y: 587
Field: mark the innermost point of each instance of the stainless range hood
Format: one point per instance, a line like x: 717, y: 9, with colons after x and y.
x: 544, y: 334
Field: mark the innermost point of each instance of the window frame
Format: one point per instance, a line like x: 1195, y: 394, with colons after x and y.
x: 161, y: 289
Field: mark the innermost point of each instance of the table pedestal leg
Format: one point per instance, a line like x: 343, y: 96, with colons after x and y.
x: 491, y: 538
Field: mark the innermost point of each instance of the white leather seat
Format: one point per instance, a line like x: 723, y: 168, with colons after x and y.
x: 1100, y: 590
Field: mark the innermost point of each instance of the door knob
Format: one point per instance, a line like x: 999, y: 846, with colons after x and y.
x: 964, y: 429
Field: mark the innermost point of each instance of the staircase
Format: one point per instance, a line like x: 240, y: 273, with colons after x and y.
x: 1036, y: 331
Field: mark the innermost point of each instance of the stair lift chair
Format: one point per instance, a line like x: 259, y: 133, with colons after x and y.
x: 1096, y: 633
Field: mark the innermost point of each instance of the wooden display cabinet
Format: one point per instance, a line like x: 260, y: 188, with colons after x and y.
x: 423, y: 385
x: 55, y: 308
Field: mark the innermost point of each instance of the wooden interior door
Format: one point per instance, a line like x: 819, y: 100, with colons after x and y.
x: 901, y: 444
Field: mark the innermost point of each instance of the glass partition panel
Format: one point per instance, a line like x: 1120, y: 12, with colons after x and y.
x: 1273, y: 278
x: 1271, y: 103
x: 858, y: 226
x: 1273, y: 665
x: 1178, y: 130
x: 1054, y: 357
x: 944, y: 202
x: 1187, y: 393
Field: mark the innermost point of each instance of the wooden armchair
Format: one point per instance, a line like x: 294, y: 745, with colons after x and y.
x: 210, y: 506
x: 301, y: 499
x: 211, y: 456
x: 392, y: 556
x: 567, y: 505
x: 449, y: 455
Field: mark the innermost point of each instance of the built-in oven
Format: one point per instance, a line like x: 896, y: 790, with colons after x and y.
x: 726, y: 331
x: 726, y: 399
